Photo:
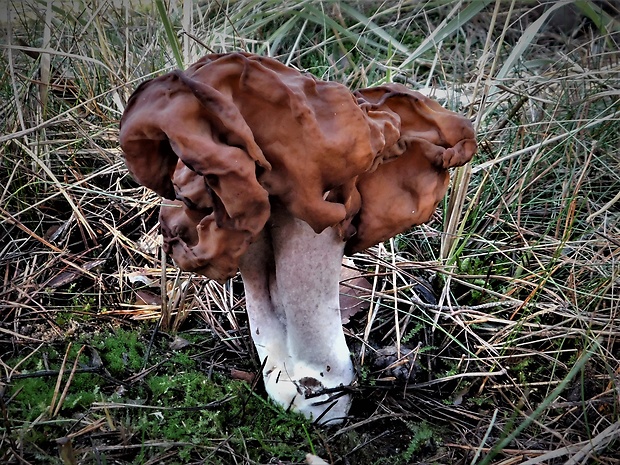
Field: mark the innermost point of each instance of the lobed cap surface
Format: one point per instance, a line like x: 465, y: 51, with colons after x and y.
x: 236, y: 134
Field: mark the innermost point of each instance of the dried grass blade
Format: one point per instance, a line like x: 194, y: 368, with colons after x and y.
x: 18, y: 336
x: 14, y: 369
x: 596, y: 444
x: 45, y: 63
x: 454, y: 211
x: 59, y: 53
x: 61, y: 372
x: 9, y: 35
x: 604, y: 208
x: 546, y: 142
x: 187, y: 24
x: 577, y: 367
x: 486, y: 436
x: 14, y: 221
x: 65, y: 391
x: 76, y: 210
x: 165, y: 308
x: 373, y: 310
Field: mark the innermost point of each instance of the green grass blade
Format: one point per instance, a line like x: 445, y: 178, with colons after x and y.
x: 374, y: 28
x: 172, y: 38
x: 446, y: 28
x: 526, y: 39
x: 601, y: 19
x: 315, y: 15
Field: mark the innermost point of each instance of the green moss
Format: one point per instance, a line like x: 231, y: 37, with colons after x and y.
x: 175, y: 403
x: 182, y: 360
x: 248, y: 420
x: 33, y: 398
x: 122, y: 352
x: 83, y: 392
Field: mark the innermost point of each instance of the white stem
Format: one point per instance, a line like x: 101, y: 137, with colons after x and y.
x: 291, y: 277
x: 266, y: 317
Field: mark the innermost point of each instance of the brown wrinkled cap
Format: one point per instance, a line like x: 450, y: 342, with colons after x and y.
x: 235, y: 132
x: 412, y: 178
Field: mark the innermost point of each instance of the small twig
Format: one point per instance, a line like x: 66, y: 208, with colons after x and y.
x: 338, y: 390
x: 211, y: 405
x: 476, y: 374
x: 47, y: 373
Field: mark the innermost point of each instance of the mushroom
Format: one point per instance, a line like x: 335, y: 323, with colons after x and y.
x: 276, y: 174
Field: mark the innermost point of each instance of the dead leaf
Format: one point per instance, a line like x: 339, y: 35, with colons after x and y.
x: 66, y: 277
x: 66, y: 451
x: 354, y: 291
x: 246, y: 376
x: 147, y: 298
x: 179, y: 343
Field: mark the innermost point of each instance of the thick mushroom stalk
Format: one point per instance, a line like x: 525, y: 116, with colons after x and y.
x: 291, y: 279
x: 275, y: 173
